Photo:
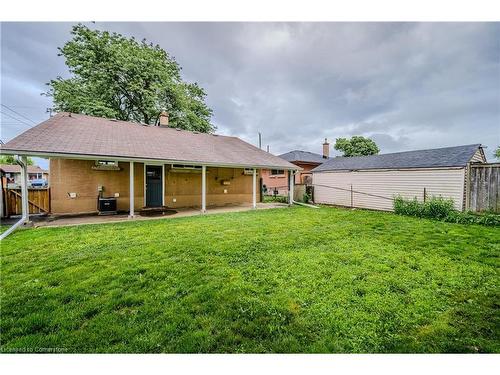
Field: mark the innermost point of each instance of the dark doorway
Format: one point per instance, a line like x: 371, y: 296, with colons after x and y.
x: 154, y: 187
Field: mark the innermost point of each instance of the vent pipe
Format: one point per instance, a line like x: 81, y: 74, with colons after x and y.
x: 164, y: 118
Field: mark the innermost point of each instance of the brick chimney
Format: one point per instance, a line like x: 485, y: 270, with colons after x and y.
x: 326, y: 149
x: 164, y: 118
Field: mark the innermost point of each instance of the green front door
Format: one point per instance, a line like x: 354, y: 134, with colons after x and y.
x: 154, y: 186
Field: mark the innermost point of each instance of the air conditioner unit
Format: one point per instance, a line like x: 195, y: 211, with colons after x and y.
x: 106, y: 206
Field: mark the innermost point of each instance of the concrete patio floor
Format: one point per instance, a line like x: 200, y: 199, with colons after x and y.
x: 58, y: 221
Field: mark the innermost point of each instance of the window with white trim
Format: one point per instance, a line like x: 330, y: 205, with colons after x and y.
x: 277, y: 172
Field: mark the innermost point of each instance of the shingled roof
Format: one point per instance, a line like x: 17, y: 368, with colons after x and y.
x: 16, y: 168
x: 457, y: 156
x: 303, y: 156
x: 70, y: 135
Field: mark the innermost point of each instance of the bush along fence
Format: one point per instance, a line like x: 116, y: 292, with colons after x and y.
x: 301, y: 193
x: 426, y: 207
x: 442, y: 209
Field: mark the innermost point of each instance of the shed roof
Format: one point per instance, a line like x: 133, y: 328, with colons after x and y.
x: 457, y: 156
x: 68, y: 134
x: 303, y: 156
x: 16, y: 168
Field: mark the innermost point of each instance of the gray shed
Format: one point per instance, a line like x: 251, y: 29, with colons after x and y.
x: 373, y: 181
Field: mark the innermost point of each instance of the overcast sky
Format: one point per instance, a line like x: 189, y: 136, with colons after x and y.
x: 406, y: 85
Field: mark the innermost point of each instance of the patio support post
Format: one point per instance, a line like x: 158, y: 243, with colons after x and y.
x: 203, y: 189
x: 254, y: 190
x: 131, y: 191
x: 163, y: 185
x: 23, y: 162
x: 291, y: 177
x: 24, y: 189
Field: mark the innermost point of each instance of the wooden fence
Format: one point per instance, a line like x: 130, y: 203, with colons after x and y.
x: 298, y: 192
x: 484, y: 188
x: 38, y: 199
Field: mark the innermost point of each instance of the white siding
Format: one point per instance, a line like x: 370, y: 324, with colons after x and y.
x: 376, y: 189
x: 478, y: 157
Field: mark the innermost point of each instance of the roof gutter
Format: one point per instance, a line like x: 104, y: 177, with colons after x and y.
x: 139, y: 159
x: 385, y: 169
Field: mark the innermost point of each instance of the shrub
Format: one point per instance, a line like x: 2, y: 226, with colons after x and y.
x: 306, y: 198
x: 473, y: 218
x: 408, y: 207
x: 275, y: 198
x: 438, y: 208
x: 442, y: 209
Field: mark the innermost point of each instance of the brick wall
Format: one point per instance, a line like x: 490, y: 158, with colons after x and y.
x: 77, y: 176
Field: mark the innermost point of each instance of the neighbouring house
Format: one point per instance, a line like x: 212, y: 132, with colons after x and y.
x: 276, y: 180
x: 142, y: 166
x: 12, y: 174
x: 373, y: 181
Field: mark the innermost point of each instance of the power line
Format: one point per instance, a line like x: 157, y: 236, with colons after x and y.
x: 23, y: 106
x: 12, y: 117
x: 19, y: 114
x: 13, y: 124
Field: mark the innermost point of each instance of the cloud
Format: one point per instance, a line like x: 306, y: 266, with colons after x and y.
x: 407, y: 85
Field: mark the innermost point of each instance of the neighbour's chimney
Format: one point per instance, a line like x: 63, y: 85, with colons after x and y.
x: 163, y: 118
x: 326, y: 149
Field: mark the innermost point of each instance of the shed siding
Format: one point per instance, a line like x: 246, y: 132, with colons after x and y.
x: 478, y: 157
x: 376, y: 189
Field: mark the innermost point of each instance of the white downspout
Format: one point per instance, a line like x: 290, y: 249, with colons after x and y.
x: 291, y: 179
x: 254, y: 188
x: 290, y: 198
x: 203, y: 189
x: 23, y: 162
x: 24, y: 188
x: 131, y: 191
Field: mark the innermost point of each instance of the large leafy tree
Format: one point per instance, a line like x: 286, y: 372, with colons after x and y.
x: 356, y: 146
x: 117, y: 77
x: 497, y: 153
x: 9, y: 159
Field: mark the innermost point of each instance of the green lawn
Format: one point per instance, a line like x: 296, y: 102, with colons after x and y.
x: 282, y: 280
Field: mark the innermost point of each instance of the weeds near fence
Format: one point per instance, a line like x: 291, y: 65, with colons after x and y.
x: 275, y: 198
x: 306, y: 197
x: 442, y: 209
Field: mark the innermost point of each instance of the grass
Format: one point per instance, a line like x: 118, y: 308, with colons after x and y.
x: 282, y: 280
x: 3, y: 228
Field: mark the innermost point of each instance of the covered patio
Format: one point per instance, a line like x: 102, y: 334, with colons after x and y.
x: 135, y: 167
x: 140, y: 214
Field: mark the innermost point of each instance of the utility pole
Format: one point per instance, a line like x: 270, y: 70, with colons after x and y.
x: 267, y: 148
x: 260, y: 141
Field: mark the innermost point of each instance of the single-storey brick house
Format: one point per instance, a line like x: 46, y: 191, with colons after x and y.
x: 277, y: 179
x: 142, y: 165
